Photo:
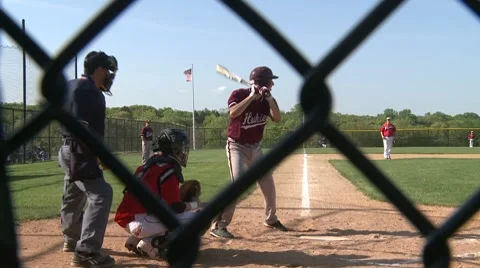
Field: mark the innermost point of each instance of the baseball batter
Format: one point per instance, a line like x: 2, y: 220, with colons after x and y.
x: 249, y: 109
x: 388, y: 132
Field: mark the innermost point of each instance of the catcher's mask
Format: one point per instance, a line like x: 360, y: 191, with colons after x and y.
x: 96, y: 59
x: 174, y: 143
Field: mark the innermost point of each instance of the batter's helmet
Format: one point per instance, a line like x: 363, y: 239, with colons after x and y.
x: 262, y: 73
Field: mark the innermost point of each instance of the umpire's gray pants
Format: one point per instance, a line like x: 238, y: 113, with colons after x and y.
x: 86, y: 229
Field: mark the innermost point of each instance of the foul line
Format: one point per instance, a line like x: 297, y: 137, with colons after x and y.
x: 305, y: 187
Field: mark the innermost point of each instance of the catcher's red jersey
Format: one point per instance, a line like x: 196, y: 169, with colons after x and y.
x: 160, y: 179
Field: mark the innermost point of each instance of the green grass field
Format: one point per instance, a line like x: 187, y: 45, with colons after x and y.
x: 403, y: 150
x: 443, y: 182
x: 37, y: 188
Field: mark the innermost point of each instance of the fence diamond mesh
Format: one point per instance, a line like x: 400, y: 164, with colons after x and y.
x: 316, y: 103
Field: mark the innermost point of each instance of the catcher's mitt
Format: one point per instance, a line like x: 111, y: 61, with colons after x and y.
x: 190, y: 191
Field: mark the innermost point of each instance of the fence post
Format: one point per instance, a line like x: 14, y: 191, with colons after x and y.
x: 116, y: 136
x: 49, y: 143
x: 24, y: 91
x: 13, y: 121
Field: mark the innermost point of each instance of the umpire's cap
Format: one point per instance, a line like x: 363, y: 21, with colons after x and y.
x: 262, y: 73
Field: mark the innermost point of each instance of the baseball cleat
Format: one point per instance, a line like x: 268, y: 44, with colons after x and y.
x: 68, y: 247
x: 221, y: 233
x: 277, y: 225
x: 131, y: 245
x: 92, y: 260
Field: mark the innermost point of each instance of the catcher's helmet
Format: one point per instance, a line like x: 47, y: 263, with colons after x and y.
x: 174, y: 143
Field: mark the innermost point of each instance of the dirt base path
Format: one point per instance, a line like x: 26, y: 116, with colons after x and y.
x: 333, y: 225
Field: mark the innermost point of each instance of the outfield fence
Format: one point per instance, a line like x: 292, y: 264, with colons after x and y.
x: 123, y: 136
x: 441, y: 137
x: 316, y: 100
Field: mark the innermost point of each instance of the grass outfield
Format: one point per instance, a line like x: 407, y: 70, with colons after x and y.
x: 37, y: 188
x: 403, y: 150
x: 443, y: 182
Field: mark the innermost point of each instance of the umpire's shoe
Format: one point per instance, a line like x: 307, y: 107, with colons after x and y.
x: 92, y: 260
x: 222, y: 233
x: 277, y: 225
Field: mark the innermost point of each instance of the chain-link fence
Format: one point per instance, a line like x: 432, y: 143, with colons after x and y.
x: 316, y: 102
x: 121, y: 136
x: 215, y: 138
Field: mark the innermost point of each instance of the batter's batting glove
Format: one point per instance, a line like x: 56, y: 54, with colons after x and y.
x: 253, y: 90
x: 265, y: 92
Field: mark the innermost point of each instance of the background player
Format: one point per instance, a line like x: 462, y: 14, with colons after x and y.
x: 84, y: 181
x: 249, y: 110
x: 162, y: 174
x: 388, y: 132
x: 471, y: 138
x: 146, y: 135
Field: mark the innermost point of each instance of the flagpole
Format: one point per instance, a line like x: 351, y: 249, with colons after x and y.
x: 193, y: 111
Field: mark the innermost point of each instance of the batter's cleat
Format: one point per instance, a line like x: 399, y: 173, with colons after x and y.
x: 92, y: 260
x: 277, y: 225
x: 68, y: 247
x: 131, y: 245
x: 221, y: 233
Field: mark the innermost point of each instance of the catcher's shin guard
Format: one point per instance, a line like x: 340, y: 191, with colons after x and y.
x: 160, y: 242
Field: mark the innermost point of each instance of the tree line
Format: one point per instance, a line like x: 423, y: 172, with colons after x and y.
x: 211, y: 125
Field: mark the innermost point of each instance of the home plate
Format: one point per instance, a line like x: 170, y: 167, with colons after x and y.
x: 324, y: 238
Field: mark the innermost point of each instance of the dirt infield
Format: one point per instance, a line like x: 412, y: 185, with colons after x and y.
x: 333, y: 225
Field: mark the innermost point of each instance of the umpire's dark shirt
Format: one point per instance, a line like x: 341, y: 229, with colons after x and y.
x: 86, y: 103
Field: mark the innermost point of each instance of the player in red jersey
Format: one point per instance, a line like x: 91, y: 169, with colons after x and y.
x: 249, y: 110
x: 163, y: 175
x: 388, y: 132
x: 471, y: 139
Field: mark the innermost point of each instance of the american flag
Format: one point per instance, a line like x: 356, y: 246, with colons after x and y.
x: 188, y: 74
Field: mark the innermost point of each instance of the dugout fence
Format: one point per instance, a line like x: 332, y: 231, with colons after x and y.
x: 316, y: 102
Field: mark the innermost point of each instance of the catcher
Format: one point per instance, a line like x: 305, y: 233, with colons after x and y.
x: 162, y: 173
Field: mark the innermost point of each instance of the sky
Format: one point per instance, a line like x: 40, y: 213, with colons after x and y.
x: 424, y: 57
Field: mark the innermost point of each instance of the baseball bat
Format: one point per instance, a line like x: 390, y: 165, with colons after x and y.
x: 231, y: 75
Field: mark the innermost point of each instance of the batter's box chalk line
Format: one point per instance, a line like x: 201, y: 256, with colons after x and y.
x: 473, y: 255
x: 324, y: 238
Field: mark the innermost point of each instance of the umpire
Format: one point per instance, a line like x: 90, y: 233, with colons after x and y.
x: 84, y: 184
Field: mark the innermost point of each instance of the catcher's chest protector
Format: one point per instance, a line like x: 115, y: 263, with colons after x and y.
x: 167, y: 166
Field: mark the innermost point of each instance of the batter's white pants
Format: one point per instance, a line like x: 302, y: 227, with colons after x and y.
x: 471, y: 142
x: 240, y: 157
x: 387, y: 147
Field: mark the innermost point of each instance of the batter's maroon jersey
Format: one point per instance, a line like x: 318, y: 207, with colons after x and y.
x: 161, y: 179
x: 248, y: 127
